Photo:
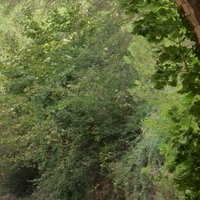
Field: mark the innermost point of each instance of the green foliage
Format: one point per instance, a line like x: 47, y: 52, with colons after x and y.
x: 177, y: 66
x: 67, y: 108
x: 149, y: 177
x: 136, y: 171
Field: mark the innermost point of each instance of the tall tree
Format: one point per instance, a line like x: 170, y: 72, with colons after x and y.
x: 191, y: 11
x: 67, y: 109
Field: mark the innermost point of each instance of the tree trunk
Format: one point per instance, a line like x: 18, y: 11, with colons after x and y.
x: 191, y: 10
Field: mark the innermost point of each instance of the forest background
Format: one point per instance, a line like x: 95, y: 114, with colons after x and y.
x: 81, y: 114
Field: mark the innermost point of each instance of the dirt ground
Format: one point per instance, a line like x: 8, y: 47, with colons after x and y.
x: 9, y: 197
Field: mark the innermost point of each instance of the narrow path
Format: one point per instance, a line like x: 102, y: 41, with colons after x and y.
x: 9, y: 197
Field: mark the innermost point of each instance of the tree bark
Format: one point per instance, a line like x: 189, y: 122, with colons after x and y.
x: 191, y: 9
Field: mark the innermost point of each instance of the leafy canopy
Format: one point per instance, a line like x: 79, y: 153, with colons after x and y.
x: 164, y: 25
x: 67, y: 108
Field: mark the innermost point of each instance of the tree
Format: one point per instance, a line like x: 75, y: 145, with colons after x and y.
x: 192, y: 13
x: 68, y: 112
x: 164, y: 25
